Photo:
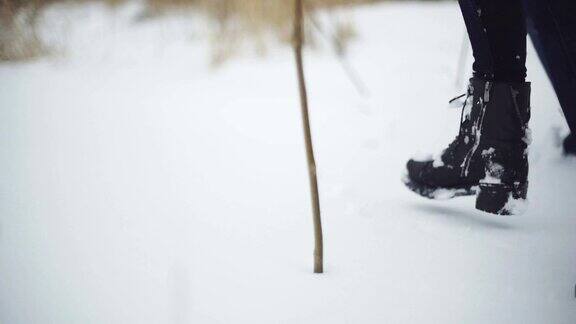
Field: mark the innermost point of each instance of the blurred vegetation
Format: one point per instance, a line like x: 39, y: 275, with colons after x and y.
x: 234, y: 21
x: 18, y: 37
x: 256, y: 21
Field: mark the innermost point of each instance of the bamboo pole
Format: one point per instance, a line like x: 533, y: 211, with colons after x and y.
x: 298, y: 44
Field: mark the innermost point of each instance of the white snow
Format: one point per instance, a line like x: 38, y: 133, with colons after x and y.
x: 516, y: 206
x: 491, y: 179
x: 437, y: 162
x: 528, y: 137
x: 494, y: 170
x: 468, y: 105
x: 488, y: 151
x: 444, y: 193
x: 422, y: 157
x: 137, y: 185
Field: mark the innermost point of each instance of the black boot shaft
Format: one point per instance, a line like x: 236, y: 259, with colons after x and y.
x: 507, y: 112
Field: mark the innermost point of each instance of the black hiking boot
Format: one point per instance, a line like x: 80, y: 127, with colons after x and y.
x: 488, y: 157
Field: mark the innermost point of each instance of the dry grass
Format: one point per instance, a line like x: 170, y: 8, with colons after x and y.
x: 235, y: 23
x: 238, y: 22
x: 18, y: 37
x: 19, y: 40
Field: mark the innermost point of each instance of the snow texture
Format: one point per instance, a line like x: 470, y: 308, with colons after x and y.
x: 444, y: 193
x: 516, y: 207
x: 494, y: 170
x: 138, y: 185
x: 438, y: 163
x: 468, y: 104
x: 422, y: 157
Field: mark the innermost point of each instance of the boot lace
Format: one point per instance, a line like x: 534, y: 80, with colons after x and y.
x: 453, y: 146
x: 467, y: 95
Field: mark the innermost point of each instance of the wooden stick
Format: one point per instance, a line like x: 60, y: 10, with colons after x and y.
x: 298, y: 44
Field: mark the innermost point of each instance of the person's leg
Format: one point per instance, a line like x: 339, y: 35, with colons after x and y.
x: 497, y: 32
x: 552, y: 28
x: 488, y: 157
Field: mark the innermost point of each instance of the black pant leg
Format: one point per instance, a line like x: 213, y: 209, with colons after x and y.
x: 552, y: 28
x: 497, y: 31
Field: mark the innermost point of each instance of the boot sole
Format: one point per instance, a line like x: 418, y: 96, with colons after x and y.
x: 496, y: 199
x: 440, y: 193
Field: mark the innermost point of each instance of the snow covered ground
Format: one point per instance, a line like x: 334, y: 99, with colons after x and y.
x: 137, y: 185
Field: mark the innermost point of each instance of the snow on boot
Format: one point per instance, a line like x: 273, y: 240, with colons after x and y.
x: 489, y: 155
x: 453, y: 173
